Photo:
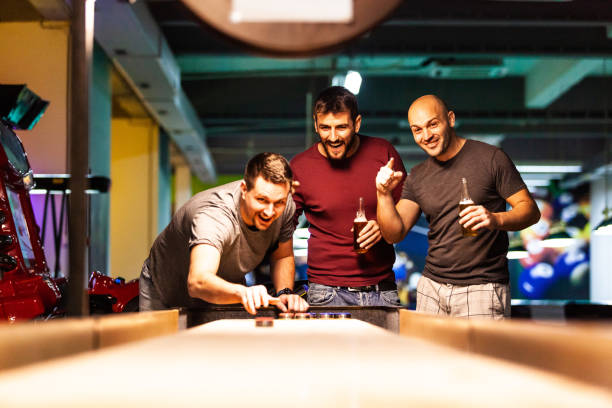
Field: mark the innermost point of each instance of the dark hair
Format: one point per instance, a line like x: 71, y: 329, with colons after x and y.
x: 271, y: 166
x: 336, y: 99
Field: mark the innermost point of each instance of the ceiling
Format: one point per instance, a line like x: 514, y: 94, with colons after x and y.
x: 528, y: 75
x: 531, y: 76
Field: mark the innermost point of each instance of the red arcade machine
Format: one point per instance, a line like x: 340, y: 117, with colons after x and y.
x: 26, y: 289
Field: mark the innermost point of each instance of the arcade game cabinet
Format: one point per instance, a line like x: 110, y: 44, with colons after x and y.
x: 26, y: 289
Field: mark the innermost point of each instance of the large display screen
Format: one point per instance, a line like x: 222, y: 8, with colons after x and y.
x: 23, y: 234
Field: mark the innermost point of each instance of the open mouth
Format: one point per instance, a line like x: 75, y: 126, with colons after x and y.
x: 335, y: 146
x: 264, y: 220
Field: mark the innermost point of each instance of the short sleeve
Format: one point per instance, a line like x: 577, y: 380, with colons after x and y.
x: 407, y: 190
x: 298, y: 205
x: 212, y: 227
x: 288, y: 224
x: 397, y: 166
x: 508, y: 180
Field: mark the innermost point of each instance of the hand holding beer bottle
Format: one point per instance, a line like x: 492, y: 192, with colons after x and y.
x: 464, y: 203
x: 366, y: 233
x: 359, y: 224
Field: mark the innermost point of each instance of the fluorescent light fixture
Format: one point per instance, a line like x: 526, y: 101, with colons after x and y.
x: 605, y: 227
x: 301, y: 233
x: 537, y: 182
x: 549, y: 169
x: 300, y: 252
x: 558, y: 242
x: 517, y: 254
x: 517, y: 250
x: 559, y: 239
x: 291, y: 11
x: 338, y: 80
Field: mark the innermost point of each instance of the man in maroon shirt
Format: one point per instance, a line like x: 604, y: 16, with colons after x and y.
x: 333, y: 175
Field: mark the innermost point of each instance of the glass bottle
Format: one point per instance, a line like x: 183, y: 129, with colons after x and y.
x: 359, y: 223
x: 465, y: 202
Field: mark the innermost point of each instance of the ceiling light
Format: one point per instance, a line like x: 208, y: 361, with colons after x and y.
x: 517, y: 250
x: 558, y: 238
x: 605, y: 227
x: 549, y: 169
x: 537, y: 182
x: 351, y: 81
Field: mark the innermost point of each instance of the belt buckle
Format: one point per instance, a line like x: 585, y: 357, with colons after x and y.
x: 367, y: 288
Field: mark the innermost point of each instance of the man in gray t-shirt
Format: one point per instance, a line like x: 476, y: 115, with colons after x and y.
x: 221, y: 234
x: 464, y: 276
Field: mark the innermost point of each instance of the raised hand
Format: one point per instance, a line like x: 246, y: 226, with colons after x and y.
x: 387, y: 179
x: 294, y: 184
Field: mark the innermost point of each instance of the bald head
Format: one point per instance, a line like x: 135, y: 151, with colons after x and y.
x: 430, y: 103
x: 432, y: 126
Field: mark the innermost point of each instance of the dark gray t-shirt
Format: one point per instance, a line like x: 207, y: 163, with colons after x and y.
x: 212, y: 217
x: 436, y: 187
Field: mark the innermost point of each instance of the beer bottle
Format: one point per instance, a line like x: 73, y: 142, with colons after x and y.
x: 465, y: 202
x: 359, y: 223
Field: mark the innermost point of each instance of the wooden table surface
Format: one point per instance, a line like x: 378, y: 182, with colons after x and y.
x: 295, y: 363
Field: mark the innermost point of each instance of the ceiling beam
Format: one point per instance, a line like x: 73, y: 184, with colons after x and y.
x: 211, y: 66
x: 551, y: 78
x: 52, y: 9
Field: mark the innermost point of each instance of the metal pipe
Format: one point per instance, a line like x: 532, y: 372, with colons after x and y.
x: 81, y: 48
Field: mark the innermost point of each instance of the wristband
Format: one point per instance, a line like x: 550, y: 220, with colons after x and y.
x: 285, y: 291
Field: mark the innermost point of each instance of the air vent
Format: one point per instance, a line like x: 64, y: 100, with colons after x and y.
x: 467, y: 69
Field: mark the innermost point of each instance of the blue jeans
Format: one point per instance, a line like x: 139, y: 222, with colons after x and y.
x: 322, y: 295
x: 149, y: 298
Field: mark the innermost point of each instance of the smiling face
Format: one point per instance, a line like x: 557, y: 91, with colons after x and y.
x: 432, y: 127
x: 264, y: 203
x: 338, y: 134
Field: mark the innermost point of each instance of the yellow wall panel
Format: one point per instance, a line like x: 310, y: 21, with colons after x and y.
x: 134, y: 190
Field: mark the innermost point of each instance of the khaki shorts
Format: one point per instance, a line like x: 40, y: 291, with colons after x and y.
x: 486, y: 301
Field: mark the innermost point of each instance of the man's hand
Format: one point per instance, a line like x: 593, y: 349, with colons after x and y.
x: 475, y: 217
x: 369, y: 235
x: 387, y: 179
x: 254, y: 297
x: 292, y: 303
x: 294, y: 184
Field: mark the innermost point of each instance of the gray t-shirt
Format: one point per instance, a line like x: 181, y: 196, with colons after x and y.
x: 436, y: 187
x: 212, y: 217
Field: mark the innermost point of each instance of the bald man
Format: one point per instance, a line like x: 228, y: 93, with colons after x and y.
x: 463, y: 276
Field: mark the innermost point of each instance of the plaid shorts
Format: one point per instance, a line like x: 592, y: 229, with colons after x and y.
x: 486, y: 301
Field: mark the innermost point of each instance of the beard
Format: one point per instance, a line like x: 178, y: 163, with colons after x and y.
x: 347, y: 148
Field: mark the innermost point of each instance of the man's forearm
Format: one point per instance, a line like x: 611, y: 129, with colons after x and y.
x: 213, y: 289
x: 283, y: 272
x: 389, y: 220
x: 521, y: 216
